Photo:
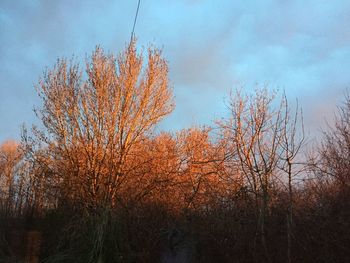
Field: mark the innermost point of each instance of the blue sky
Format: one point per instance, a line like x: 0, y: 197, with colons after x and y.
x: 212, y: 47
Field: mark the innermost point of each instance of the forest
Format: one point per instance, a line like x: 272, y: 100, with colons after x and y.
x: 97, y: 181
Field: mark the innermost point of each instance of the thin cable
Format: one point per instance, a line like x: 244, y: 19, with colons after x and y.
x: 133, y: 28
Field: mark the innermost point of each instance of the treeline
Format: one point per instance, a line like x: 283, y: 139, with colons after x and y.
x: 95, y: 183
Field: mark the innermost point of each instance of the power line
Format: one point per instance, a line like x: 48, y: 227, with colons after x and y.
x: 133, y: 28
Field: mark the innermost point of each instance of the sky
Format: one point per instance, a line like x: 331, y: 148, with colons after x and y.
x: 212, y: 47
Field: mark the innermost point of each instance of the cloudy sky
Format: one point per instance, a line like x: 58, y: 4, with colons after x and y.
x: 302, y: 46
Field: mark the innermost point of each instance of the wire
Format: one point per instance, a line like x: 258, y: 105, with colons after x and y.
x: 133, y: 28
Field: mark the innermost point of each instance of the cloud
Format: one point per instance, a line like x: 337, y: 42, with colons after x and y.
x: 211, y: 46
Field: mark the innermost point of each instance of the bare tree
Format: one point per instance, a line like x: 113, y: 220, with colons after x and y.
x: 91, y: 125
x: 333, y: 161
x: 198, y: 172
x: 10, y: 179
x: 293, y: 139
x: 93, y: 121
x: 263, y: 138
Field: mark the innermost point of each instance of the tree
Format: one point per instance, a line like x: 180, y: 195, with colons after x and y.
x: 93, y: 121
x: 262, y: 137
x: 334, y: 152
x: 202, y: 162
x: 292, y: 142
x: 10, y: 181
